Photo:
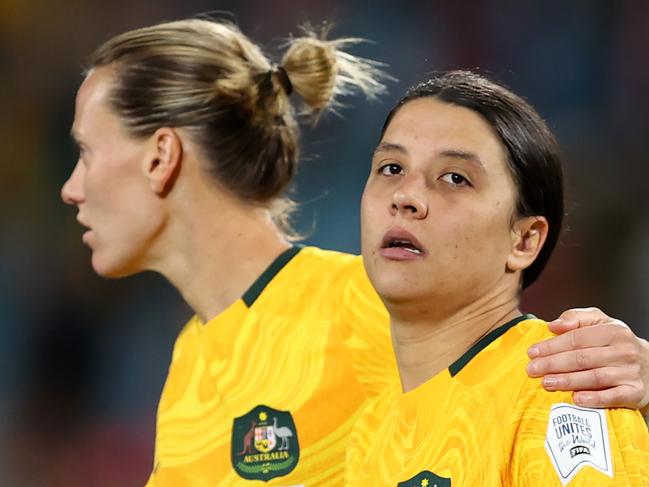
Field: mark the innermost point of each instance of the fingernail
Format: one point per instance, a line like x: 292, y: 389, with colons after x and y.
x: 532, y: 368
x: 533, y: 351
x: 550, y: 382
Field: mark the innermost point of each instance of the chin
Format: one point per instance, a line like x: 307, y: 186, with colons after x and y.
x: 395, y: 289
x: 111, y: 269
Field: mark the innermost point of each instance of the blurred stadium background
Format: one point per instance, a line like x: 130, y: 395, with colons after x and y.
x: 82, y: 360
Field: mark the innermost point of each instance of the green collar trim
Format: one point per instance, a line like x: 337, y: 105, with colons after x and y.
x: 476, y: 348
x: 257, y: 287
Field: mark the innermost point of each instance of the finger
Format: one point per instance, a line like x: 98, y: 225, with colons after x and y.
x: 576, y: 360
x: 594, y: 336
x: 590, y: 380
x: 584, y: 317
x: 621, y: 396
x: 560, y: 326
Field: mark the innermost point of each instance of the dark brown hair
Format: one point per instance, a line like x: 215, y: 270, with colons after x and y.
x: 533, y: 155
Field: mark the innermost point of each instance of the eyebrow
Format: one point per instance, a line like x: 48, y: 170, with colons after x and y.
x: 463, y: 155
x: 390, y: 147
x: 451, y: 153
x: 75, y: 139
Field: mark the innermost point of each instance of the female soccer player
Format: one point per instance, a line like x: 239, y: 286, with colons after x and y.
x: 460, y: 213
x: 187, y: 140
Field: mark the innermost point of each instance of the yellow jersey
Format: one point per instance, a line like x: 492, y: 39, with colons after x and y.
x: 266, y: 393
x: 484, y: 422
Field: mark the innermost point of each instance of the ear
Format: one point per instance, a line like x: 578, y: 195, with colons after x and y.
x: 528, y: 236
x: 162, y: 167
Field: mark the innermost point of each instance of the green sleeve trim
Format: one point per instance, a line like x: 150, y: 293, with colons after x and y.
x: 475, y: 349
x: 257, y: 287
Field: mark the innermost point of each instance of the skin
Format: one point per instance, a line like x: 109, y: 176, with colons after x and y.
x: 440, y: 175
x: 148, y: 205
x: 597, y: 356
x: 422, y: 182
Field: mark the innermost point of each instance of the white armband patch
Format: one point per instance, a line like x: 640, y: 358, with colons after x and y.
x: 577, y: 437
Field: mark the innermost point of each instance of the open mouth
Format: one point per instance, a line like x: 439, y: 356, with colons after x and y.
x: 403, y: 244
x: 399, y: 242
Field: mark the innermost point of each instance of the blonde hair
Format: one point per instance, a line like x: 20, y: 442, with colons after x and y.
x: 210, y: 79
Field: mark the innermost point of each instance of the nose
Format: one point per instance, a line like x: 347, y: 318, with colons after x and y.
x: 72, y: 190
x: 410, y: 200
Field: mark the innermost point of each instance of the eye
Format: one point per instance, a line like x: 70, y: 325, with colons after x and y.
x: 82, y: 156
x: 455, y: 179
x: 391, y: 169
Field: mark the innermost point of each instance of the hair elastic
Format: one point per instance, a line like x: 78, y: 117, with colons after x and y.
x: 283, y: 78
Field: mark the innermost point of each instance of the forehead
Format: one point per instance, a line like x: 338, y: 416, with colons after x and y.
x: 91, y: 102
x: 430, y: 125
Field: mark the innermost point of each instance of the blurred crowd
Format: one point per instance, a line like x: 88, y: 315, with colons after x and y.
x: 83, y: 360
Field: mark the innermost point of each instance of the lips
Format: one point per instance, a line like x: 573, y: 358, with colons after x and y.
x: 82, y: 222
x: 399, y: 244
x: 87, y: 234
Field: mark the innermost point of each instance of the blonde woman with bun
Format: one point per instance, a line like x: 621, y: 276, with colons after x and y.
x: 188, y: 139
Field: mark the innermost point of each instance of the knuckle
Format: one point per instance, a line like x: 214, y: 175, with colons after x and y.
x: 620, y: 323
x: 617, y: 396
x: 581, y: 359
x: 598, y: 400
x: 624, y: 334
x: 613, y: 397
x: 630, y: 354
x: 601, y: 377
x: 575, y: 340
x: 636, y: 372
x: 628, y: 396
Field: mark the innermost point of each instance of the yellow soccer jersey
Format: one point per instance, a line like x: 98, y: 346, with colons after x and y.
x: 483, y: 422
x: 267, y: 392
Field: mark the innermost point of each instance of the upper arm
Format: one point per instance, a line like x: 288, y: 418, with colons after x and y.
x: 580, y: 447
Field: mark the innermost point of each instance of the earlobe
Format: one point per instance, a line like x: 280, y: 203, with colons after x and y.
x: 166, y: 157
x: 528, y: 237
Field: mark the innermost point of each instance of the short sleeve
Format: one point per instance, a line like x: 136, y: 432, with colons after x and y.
x: 556, y: 443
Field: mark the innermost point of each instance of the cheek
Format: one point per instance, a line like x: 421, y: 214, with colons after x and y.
x: 370, y: 221
x: 481, y: 238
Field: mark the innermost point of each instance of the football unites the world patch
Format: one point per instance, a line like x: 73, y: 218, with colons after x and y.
x: 264, y: 444
x: 577, y: 437
x: 426, y: 479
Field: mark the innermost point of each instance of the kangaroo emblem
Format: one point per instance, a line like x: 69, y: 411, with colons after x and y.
x: 265, y: 444
x: 247, y: 439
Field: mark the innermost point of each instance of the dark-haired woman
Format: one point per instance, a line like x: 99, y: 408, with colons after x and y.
x: 460, y: 213
x: 187, y: 140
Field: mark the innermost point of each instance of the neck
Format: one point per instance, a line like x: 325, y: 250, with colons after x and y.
x: 425, y: 345
x: 213, y: 249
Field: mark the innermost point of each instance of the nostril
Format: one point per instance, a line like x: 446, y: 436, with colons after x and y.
x: 69, y: 195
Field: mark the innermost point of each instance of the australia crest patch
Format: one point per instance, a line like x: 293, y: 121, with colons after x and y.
x: 577, y: 437
x: 426, y: 479
x: 264, y: 444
